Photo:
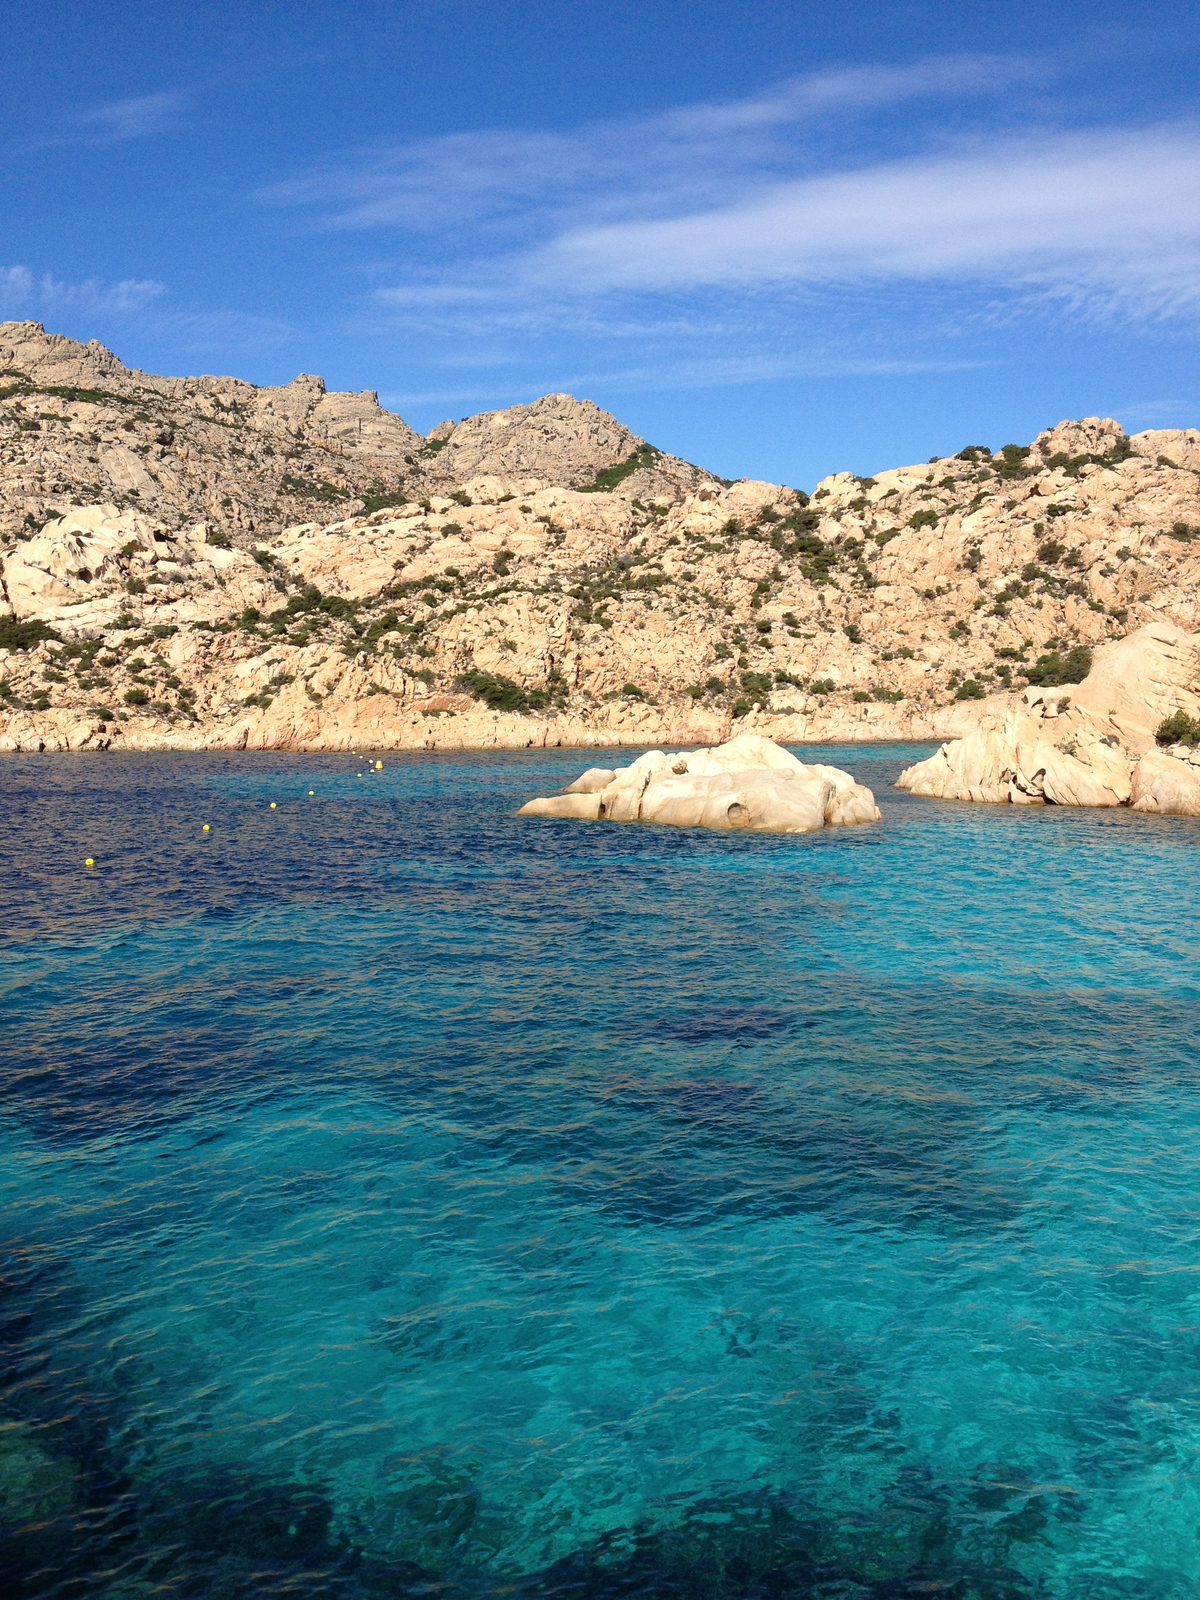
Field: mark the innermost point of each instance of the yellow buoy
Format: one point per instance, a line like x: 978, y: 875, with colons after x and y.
x: 379, y: 766
x: 89, y: 862
x: 310, y: 791
x: 272, y: 805
x: 206, y: 827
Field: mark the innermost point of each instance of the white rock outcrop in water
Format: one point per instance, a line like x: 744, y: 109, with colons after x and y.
x: 1087, y: 744
x: 750, y: 782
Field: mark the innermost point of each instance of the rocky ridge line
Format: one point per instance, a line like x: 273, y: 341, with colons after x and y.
x: 915, y: 604
x: 79, y: 427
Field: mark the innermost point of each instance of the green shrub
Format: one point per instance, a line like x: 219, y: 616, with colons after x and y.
x: 1178, y: 728
x: 923, y: 519
x: 501, y: 694
x: 1011, y: 461
x: 823, y: 686
x: 383, y: 501
x: 739, y: 708
x: 853, y: 632
x: 135, y: 586
x: 335, y: 605
x: 969, y: 690
x: 136, y: 697
x: 1121, y: 451
x: 22, y: 635
x: 462, y: 498
x: 1051, y: 551
x: 220, y: 538
x: 861, y: 695
x: 758, y: 683
x: 609, y: 477
x: 309, y: 490
x: 1052, y: 669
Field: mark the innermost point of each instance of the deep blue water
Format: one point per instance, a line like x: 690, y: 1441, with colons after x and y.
x: 402, y: 1197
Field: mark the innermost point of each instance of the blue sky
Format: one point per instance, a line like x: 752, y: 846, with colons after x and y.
x: 778, y: 239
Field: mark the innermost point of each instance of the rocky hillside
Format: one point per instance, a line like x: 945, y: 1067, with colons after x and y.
x: 512, y: 610
x: 78, y: 427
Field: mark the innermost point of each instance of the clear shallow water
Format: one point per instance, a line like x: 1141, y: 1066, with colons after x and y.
x: 399, y: 1197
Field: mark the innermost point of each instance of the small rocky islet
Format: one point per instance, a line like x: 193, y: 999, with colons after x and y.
x: 747, y: 783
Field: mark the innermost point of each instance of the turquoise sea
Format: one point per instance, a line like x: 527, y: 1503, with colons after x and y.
x: 399, y: 1197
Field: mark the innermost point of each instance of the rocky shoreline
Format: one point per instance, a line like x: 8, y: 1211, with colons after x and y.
x: 1099, y: 744
x: 539, y: 577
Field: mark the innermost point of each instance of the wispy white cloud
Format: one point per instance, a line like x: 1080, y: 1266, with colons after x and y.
x: 203, y: 331
x: 688, y: 155
x: 22, y: 290
x: 1085, y: 226
x: 111, y: 122
x: 134, y: 118
x: 760, y: 193
x: 872, y: 221
x: 1097, y: 214
x: 1156, y: 414
x: 24, y: 293
x: 701, y: 373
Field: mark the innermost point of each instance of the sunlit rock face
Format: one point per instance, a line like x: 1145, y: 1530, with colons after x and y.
x: 1090, y: 744
x: 540, y: 576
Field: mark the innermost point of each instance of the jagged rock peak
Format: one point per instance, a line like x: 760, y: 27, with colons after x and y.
x: 1090, y: 436
x: 52, y: 358
x: 556, y: 439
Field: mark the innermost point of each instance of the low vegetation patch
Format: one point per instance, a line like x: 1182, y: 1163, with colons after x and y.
x: 23, y: 635
x: 499, y: 693
x: 1178, y: 728
x: 1052, y: 669
x: 608, y: 478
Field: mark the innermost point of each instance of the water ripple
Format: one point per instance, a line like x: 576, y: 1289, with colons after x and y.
x: 400, y: 1197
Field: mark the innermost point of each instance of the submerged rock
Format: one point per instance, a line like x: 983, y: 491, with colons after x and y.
x: 1090, y: 744
x: 750, y: 782
x: 37, y: 1495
